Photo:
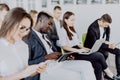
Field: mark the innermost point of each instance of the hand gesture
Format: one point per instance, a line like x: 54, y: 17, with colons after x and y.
x: 112, y: 46
x: 54, y: 55
x: 70, y: 57
x: 42, y: 67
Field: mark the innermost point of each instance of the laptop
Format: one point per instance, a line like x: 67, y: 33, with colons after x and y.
x: 117, y: 44
x: 95, y: 48
x: 96, y: 45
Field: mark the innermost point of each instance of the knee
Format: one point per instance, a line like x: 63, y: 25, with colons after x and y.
x: 117, y: 51
x: 98, y: 55
x: 105, y: 54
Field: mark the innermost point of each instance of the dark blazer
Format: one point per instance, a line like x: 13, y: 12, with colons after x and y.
x: 37, y: 52
x: 93, y: 34
x: 53, y: 35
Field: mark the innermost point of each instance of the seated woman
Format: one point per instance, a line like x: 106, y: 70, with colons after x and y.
x: 69, y: 42
x: 13, y: 51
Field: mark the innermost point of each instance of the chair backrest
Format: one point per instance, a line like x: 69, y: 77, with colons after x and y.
x: 83, y: 38
x: 62, y: 51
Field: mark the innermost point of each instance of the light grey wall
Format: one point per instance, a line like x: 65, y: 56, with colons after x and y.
x: 85, y: 14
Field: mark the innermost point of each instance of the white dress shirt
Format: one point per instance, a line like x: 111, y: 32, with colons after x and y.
x: 64, y: 39
x: 13, y: 57
x: 58, y: 29
x: 101, y: 32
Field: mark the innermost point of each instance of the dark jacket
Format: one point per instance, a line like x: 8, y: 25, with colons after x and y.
x: 53, y: 35
x: 93, y: 34
x: 37, y: 52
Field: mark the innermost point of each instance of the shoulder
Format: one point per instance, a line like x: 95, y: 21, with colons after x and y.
x: 2, y: 43
x: 94, y: 26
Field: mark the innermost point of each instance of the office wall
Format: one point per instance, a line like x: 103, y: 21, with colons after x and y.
x: 85, y: 14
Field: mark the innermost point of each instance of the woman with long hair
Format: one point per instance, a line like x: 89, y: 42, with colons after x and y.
x: 13, y: 51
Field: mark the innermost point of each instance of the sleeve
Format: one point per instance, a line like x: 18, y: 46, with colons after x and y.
x: 108, y: 33
x: 62, y: 38
x: 90, y: 38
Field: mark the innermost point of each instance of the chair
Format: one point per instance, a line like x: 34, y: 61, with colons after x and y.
x: 62, y: 51
x: 83, y: 38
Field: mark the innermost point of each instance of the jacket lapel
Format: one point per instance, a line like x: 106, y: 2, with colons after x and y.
x: 35, y: 36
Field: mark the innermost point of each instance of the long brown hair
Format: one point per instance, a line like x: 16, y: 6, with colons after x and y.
x: 66, y: 16
x: 13, y: 17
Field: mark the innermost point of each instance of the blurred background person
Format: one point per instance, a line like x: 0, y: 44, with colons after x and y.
x: 4, y: 8
x: 33, y: 14
x: 56, y: 27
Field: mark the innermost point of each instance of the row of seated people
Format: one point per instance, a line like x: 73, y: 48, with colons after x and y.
x: 41, y: 49
x: 66, y: 39
x: 16, y: 27
x: 64, y: 36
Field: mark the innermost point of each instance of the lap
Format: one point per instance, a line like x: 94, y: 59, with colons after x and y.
x: 73, y: 69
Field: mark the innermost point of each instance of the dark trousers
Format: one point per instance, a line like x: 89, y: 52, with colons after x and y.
x: 36, y: 77
x: 105, y: 54
x: 97, y: 60
x: 116, y: 52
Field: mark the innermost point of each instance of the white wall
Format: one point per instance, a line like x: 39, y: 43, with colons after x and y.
x: 85, y: 15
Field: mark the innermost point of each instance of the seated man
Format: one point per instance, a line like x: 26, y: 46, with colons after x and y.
x: 42, y: 49
x: 100, y: 29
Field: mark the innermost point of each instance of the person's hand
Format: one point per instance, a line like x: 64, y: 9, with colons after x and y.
x: 30, y: 70
x: 42, y: 67
x: 107, y: 42
x: 112, y: 46
x: 54, y: 55
x: 86, y: 49
x: 70, y: 57
x: 83, y: 50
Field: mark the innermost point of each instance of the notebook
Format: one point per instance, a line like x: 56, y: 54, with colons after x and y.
x: 95, y: 48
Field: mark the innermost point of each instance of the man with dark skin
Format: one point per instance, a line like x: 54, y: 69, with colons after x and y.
x: 38, y: 49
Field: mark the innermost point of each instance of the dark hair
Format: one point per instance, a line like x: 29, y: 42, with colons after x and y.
x: 43, y: 15
x: 57, y: 7
x: 4, y: 6
x: 13, y: 17
x: 66, y: 16
x: 106, y: 18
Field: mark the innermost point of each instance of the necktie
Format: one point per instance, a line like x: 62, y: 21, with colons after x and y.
x: 43, y: 36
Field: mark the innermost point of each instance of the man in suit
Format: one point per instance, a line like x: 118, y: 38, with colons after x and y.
x: 100, y: 29
x: 37, y: 50
x: 56, y: 27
